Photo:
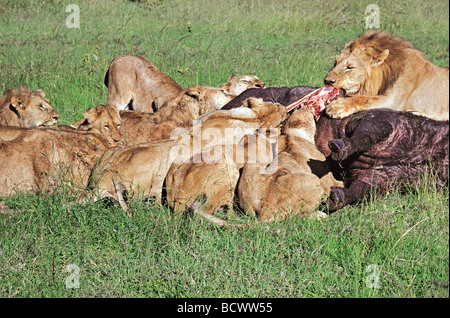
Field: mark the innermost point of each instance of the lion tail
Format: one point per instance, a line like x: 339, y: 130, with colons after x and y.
x: 197, y: 208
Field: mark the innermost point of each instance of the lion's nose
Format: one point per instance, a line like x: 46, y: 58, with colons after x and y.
x: 329, y: 80
x: 261, y: 85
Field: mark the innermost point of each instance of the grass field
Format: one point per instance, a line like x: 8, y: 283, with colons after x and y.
x: 396, y: 245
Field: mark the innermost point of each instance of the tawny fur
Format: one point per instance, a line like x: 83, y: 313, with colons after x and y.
x: 23, y: 108
x: 380, y: 70
x: 40, y: 160
x: 142, y: 168
x: 295, y: 182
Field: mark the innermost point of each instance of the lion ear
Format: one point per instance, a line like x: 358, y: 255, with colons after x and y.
x: 90, y: 113
x: 252, y: 102
x: 17, y: 104
x: 347, y: 45
x: 195, y: 91
x: 40, y: 92
x: 380, y: 58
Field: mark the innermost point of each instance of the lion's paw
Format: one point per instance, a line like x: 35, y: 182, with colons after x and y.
x: 341, y: 107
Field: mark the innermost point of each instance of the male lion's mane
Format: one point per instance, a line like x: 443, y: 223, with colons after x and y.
x: 381, y: 78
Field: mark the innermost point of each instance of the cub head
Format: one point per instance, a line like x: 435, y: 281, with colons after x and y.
x: 30, y: 109
x: 208, y: 98
x: 104, y: 120
x: 369, y: 64
x: 270, y: 114
x: 239, y: 83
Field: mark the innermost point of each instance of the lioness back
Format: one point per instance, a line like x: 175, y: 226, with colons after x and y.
x: 134, y: 83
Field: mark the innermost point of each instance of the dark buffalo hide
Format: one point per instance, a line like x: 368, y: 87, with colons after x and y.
x: 281, y: 95
x: 379, y: 148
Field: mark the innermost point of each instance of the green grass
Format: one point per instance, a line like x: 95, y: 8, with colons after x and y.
x: 285, y: 43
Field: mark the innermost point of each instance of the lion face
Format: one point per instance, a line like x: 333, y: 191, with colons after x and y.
x: 239, y: 83
x: 33, y: 109
x: 104, y: 120
x: 353, y: 68
x: 208, y: 98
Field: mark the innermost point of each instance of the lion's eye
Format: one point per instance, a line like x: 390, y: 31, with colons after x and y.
x: 106, y: 127
x: 41, y: 107
x: 118, y: 126
x: 244, y: 81
x: 348, y: 67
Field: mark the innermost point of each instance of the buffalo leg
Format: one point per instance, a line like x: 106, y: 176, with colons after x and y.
x: 340, y: 197
x: 363, y: 134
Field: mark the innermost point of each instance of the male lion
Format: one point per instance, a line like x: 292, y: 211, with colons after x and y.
x: 23, y: 108
x: 379, y: 70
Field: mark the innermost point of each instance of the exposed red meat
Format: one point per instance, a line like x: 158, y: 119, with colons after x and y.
x: 317, y: 100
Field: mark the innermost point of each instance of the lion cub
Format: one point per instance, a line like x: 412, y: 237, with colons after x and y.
x: 207, y: 181
x: 142, y: 168
x: 240, y: 83
x: 195, y: 101
x: 104, y: 120
x: 135, y: 83
x: 295, y: 182
x: 39, y: 160
x: 178, y: 113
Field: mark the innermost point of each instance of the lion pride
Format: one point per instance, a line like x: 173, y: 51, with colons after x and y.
x: 380, y: 70
x: 23, y: 108
x: 142, y: 168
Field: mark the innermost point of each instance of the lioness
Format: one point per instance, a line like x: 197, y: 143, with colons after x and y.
x: 195, y: 101
x: 104, y: 120
x: 207, y: 181
x: 38, y: 160
x: 239, y: 83
x: 379, y: 70
x: 23, y: 108
x: 134, y: 83
x: 142, y: 168
x: 138, y: 127
x: 295, y: 182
